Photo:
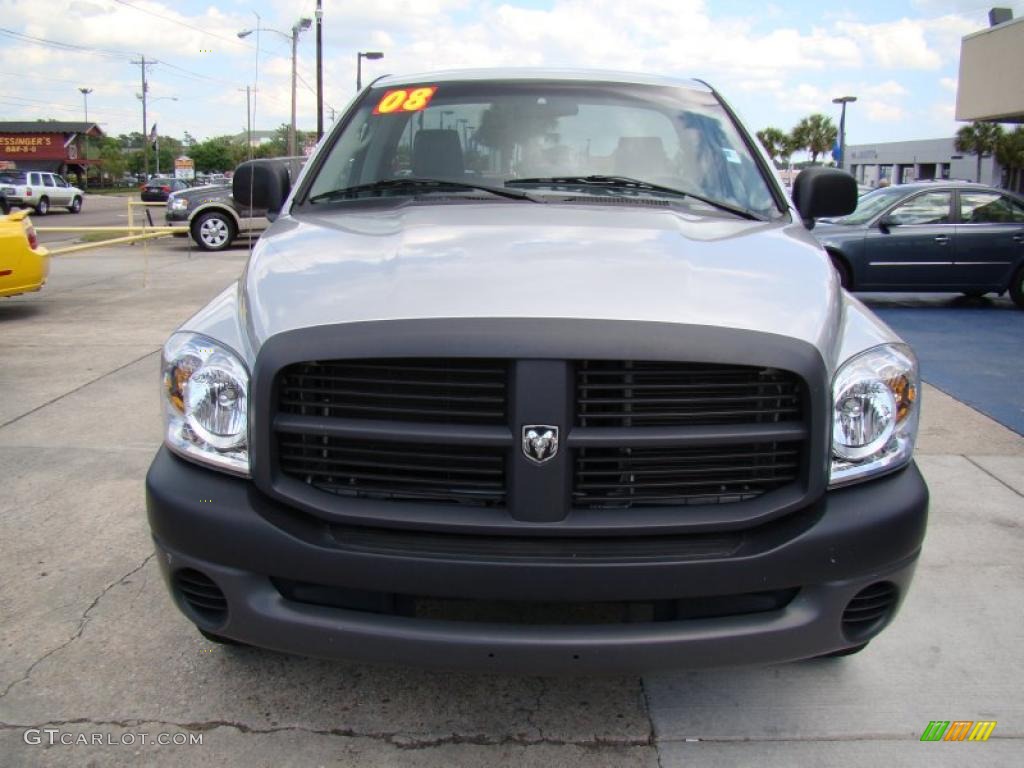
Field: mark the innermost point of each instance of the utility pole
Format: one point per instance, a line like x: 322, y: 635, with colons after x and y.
x: 248, y: 121
x: 291, y: 127
x: 319, y: 70
x: 145, y: 133
x: 85, y: 165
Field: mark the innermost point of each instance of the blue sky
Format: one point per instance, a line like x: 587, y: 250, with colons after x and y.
x: 775, y: 61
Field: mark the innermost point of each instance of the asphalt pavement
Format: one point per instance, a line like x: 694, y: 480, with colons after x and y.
x: 92, y: 648
x: 969, y: 348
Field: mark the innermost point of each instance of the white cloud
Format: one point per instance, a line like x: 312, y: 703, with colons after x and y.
x: 895, y: 45
x: 794, y: 70
x: 884, y: 112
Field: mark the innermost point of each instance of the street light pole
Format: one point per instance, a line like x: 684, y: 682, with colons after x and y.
x: 844, y: 100
x: 85, y: 165
x: 372, y: 56
x: 302, y: 24
x: 319, y: 70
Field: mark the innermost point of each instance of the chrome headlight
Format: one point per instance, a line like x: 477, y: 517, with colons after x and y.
x: 178, y: 204
x: 205, y: 391
x: 875, y: 409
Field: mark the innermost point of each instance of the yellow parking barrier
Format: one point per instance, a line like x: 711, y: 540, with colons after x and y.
x: 142, y: 232
x: 103, y: 243
x: 132, y: 204
x: 114, y: 228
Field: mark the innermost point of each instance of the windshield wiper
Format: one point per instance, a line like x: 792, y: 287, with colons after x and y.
x: 431, y: 185
x: 627, y: 182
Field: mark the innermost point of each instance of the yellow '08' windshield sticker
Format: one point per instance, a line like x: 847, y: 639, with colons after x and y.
x: 405, y: 100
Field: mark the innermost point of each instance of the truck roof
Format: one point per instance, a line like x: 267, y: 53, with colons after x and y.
x: 539, y: 73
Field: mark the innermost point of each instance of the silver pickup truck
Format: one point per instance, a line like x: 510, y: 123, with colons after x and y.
x: 539, y: 371
x: 40, y: 191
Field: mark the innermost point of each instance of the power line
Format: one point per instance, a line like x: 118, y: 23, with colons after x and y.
x: 183, y: 24
x: 34, y: 76
x: 64, y: 46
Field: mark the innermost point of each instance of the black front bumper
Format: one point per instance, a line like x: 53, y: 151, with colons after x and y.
x: 247, y: 544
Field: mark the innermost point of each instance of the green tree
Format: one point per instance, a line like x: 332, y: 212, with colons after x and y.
x: 978, y: 139
x: 775, y: 144
x: 278, y: 146
x: 1010, y: 155
x: 216, y: 155
x: 111, y: 155
x: 815, y: 133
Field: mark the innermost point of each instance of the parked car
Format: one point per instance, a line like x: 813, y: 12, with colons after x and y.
x: 40, y: 191
x: 213, y: 216
x: 599, y: 406
x: 931, y: 236
x: 157, y: 190
x: 24, y: 264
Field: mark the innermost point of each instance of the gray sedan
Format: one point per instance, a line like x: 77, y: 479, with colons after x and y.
x: 931, y: 237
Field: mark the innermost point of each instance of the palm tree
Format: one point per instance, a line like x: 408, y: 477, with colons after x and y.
x: 1010, y: 155
x: 774, y: 142
x: 815, y: 133
x: 978, y: 139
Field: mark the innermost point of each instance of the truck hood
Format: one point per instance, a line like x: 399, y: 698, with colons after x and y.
x: 560, y: 260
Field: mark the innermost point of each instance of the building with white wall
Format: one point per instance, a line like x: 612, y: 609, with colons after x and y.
x: 902, y: 162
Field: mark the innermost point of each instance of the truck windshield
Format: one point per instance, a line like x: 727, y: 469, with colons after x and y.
x: 546, y: 137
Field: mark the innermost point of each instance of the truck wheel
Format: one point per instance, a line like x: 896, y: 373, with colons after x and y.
x: 1017, y: 288
x: 76, y: 205
x: 213, y: 231
x: 43, y: 206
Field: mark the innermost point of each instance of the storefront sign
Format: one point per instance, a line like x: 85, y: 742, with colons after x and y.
x: 32, y: 146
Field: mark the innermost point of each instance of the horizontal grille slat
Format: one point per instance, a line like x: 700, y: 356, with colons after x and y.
x: 390, y: 411
x: 625, y: 393
x: 429, y: 390
x: 395, y: 471
x: 629, y: 477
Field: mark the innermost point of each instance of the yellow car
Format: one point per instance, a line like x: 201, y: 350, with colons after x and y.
x: 24, y: 264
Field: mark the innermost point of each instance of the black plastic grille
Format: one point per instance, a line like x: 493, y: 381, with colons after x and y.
x: 202, y: 595
x: 868, y: 609
x: 535, y: 612
x: 624, y: 393
x: 395, y: 471
x: 449, y: 390
x: 627, y: 477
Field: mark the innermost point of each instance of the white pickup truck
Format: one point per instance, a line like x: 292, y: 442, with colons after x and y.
x: 40, y: 191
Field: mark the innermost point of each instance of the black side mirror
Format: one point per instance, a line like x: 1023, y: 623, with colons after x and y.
x: 819, y: 192
x: 261, y: 184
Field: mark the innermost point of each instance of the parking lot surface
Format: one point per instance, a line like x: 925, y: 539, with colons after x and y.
x: 92, y: 645
x: 969, y: 348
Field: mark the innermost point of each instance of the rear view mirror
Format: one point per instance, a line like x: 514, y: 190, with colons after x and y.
x: 887, y: 222
x: 261, y: 184
x: 819, y: 192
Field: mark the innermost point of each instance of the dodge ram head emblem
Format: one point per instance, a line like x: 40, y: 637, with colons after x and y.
x: 540, y: 442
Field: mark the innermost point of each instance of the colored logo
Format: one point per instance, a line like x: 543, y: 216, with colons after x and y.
x: 958, y: 730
